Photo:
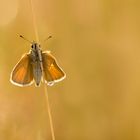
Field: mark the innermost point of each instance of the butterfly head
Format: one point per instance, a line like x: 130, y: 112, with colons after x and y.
x: 35, y: 46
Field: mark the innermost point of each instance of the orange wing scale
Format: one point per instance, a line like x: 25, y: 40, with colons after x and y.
x: 52, y: 72
x: 22, y: 74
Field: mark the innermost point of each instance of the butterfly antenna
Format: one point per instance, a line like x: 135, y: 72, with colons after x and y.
x: 25, y: 39
x: 48, y: 38
x: 42, y: 42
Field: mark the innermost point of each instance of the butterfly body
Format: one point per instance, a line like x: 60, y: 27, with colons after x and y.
x: 36, y: 60
x: 36, y: 65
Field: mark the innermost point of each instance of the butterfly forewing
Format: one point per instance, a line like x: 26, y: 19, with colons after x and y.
x: 22, y: 74
x: 52, y: 72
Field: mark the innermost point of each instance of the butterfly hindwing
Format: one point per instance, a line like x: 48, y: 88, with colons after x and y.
x: 52, y: 71
x: 22, y: 74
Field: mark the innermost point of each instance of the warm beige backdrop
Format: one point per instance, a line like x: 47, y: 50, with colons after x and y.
x: 97, y: 43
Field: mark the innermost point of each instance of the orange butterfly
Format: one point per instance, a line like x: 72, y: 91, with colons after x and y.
x: 35, y: 64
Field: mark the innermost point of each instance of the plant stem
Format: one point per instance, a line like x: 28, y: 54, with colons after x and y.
x: 45, y: 86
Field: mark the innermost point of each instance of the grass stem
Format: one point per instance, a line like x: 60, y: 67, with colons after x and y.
x: 45, y: 86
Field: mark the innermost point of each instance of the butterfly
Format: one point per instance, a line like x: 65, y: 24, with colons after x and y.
x: 35, y: 66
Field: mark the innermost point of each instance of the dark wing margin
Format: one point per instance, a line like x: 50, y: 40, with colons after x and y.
x: 52, y: 71
x: 22, y: 74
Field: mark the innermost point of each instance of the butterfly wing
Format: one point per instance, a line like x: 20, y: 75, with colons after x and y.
x: 22, y: 74
x: 52, y: 71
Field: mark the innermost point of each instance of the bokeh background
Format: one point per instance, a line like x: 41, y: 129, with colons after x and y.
x: 97, y: 43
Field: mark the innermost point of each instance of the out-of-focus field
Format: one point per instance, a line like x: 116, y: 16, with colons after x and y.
x: 97, y: 43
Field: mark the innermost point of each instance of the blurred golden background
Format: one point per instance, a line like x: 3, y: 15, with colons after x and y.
x: 97, y: 44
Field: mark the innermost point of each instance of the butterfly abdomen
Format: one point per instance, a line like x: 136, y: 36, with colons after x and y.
x: 37, y: 73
